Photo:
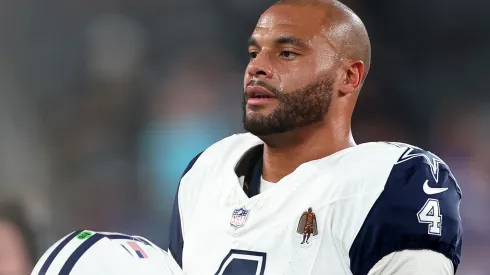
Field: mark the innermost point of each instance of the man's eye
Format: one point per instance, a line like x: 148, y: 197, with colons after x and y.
x: 253, y: 54
x: 288, y: 55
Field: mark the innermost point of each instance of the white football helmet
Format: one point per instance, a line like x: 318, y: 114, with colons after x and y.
x: 97, y: 253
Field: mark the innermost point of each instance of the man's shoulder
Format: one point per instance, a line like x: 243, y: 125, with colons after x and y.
x: 380, y: 149
x: 221, y: 156
x: 369, y: 155
x: 396, y: 154
x: 390, y: 175
x: 417, y: 208
x: 231, y: 143
x: 226, y: 149
x: 390, y: 165
x: 413, y: 159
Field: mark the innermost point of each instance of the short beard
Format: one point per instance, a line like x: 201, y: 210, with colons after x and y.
x: 304, y: 107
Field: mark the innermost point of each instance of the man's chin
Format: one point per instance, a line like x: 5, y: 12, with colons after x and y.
x: 260, y: 126
x: 259, y: 115
x: 253, y: 114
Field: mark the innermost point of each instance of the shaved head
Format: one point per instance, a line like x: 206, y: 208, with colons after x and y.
x: 343, y: 28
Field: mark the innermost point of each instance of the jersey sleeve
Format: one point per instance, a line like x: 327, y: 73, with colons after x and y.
x: 176, y: 240
x: 417, y: 210
x: 408, y: 262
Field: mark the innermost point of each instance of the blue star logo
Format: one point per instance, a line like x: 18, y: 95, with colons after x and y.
x: 414, y: 152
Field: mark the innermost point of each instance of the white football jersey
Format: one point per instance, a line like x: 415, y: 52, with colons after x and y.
x: 95, y: 253
x: 337, y: 215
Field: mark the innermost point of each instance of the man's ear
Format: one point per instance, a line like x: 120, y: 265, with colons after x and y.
x: 352, y: 77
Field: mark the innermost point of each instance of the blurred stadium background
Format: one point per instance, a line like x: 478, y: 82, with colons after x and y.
x: 104, y: 102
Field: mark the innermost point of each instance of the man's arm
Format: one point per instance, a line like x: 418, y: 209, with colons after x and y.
x: 417, y: 210
x: 176, y: 239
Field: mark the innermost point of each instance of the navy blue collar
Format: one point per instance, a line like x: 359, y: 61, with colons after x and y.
x: 250, y: 166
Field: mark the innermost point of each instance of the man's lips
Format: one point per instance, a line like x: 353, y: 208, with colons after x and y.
x: 255, y: 91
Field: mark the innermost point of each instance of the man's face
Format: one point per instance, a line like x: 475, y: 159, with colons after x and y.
x: 289, y: 80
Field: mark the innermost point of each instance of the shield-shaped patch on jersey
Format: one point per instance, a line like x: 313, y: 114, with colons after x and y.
x: 239, y: 217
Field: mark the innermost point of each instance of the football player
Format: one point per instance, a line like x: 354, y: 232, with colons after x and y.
x: 96, y: 253
x: 296, y: 195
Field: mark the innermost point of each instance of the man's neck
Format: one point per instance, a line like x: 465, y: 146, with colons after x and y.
x: 282, y: 158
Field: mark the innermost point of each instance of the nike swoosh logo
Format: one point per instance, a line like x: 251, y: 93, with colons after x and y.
x: 431, y: 191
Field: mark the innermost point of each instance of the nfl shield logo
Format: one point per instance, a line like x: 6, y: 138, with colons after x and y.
x: 239, y: 217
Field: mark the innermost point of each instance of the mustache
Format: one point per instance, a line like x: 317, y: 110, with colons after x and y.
x: 278, y: 94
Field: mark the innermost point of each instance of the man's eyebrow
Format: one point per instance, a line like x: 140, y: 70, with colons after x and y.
x: 290, y: 40
x: 252, y: 42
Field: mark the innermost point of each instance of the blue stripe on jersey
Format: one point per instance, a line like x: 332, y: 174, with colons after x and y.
x: 56, y: 251
x: 176, y: 241
x: 78, y: 253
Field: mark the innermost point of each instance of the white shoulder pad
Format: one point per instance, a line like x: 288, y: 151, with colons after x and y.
x: 97, y: 253
x: 363, y: 169
x: 221, y: 156
x: 231, y: 148
x: 225, y: 152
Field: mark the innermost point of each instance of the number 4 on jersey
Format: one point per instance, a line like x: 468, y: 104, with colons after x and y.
x: 242, y: 262
x: 430, y: 213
